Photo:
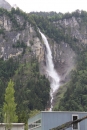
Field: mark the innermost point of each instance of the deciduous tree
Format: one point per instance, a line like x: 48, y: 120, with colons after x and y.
x: 9, y: 107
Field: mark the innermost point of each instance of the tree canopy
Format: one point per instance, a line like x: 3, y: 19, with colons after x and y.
x: 9, y: 107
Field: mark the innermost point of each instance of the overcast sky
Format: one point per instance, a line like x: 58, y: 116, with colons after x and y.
x: 50, y: 5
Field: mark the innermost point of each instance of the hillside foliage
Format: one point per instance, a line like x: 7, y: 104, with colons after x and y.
x: 9, y: 107
x: 32, y: 88
x: 75, y: 97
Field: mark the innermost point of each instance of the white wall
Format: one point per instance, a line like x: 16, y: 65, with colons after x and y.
x: 14, y: 127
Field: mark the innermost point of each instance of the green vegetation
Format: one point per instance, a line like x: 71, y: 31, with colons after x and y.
x: 32, y: 89
x: 13, y: 15
x: 2, y: 31
x: 46, y: 23
x: 75, y: 97
x: 54, y: 16
x: 20, y: 45
x: 31, y: 42
x: 7, y: 70
x: 1, y: 115
x: 9, y: 107
x: 48, y: 28
x: 34, y: 112
x: 59, y: 95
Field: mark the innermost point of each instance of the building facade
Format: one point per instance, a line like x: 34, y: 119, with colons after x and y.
x: 46, y: 120
x: 14, y: 126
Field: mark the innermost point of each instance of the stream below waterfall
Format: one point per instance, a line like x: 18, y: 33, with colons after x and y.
x: 51, y: 72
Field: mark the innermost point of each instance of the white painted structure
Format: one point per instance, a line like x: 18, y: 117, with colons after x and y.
x: 15, y: 126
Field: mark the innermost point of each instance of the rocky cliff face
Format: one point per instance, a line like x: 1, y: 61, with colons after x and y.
x: 75, y: 27
x: 64, y: 59
x: 63, y: 55
x: 4, y: 4
x: 12, y: 41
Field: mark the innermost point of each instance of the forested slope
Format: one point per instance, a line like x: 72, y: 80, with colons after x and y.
x: 31, y: 88
x: 73, y: 95
x: 22, y: 53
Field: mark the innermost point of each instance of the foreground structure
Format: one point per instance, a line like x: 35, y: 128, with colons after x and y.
x: 15, y: 126
x: 48, y: 120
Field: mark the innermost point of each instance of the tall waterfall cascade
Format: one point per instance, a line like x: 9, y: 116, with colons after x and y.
x: 51, y: 72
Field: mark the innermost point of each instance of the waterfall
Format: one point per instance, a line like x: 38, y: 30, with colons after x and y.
x: 51, y: 72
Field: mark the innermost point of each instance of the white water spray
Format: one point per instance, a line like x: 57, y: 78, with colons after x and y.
x: 51, y: 72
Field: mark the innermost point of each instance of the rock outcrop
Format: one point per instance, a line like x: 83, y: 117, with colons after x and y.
x: 75, y: 27
x: 4, y: 4
x: 63, y: 55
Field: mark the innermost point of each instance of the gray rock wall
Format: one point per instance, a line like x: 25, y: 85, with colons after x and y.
x: 4, y: 4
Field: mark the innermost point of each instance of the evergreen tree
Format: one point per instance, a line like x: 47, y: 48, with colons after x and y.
x: 9, y: 106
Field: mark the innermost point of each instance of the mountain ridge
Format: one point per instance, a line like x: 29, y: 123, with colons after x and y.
x: 4, y: 4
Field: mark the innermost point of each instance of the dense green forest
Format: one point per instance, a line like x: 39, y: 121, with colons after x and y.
x: 7, y: 70
x: 53, y: 16
x: 31, y: 88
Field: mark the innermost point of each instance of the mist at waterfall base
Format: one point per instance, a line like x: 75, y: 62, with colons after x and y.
x: 51, y: 72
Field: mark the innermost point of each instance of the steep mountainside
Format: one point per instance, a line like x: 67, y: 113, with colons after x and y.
x: 21, y: 49
x: 67, y: 35
x: 70, y: 33
x: 23, y: 57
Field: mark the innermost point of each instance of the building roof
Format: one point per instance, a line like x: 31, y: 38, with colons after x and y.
x: 18, y: 124
x: 63, y: 112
